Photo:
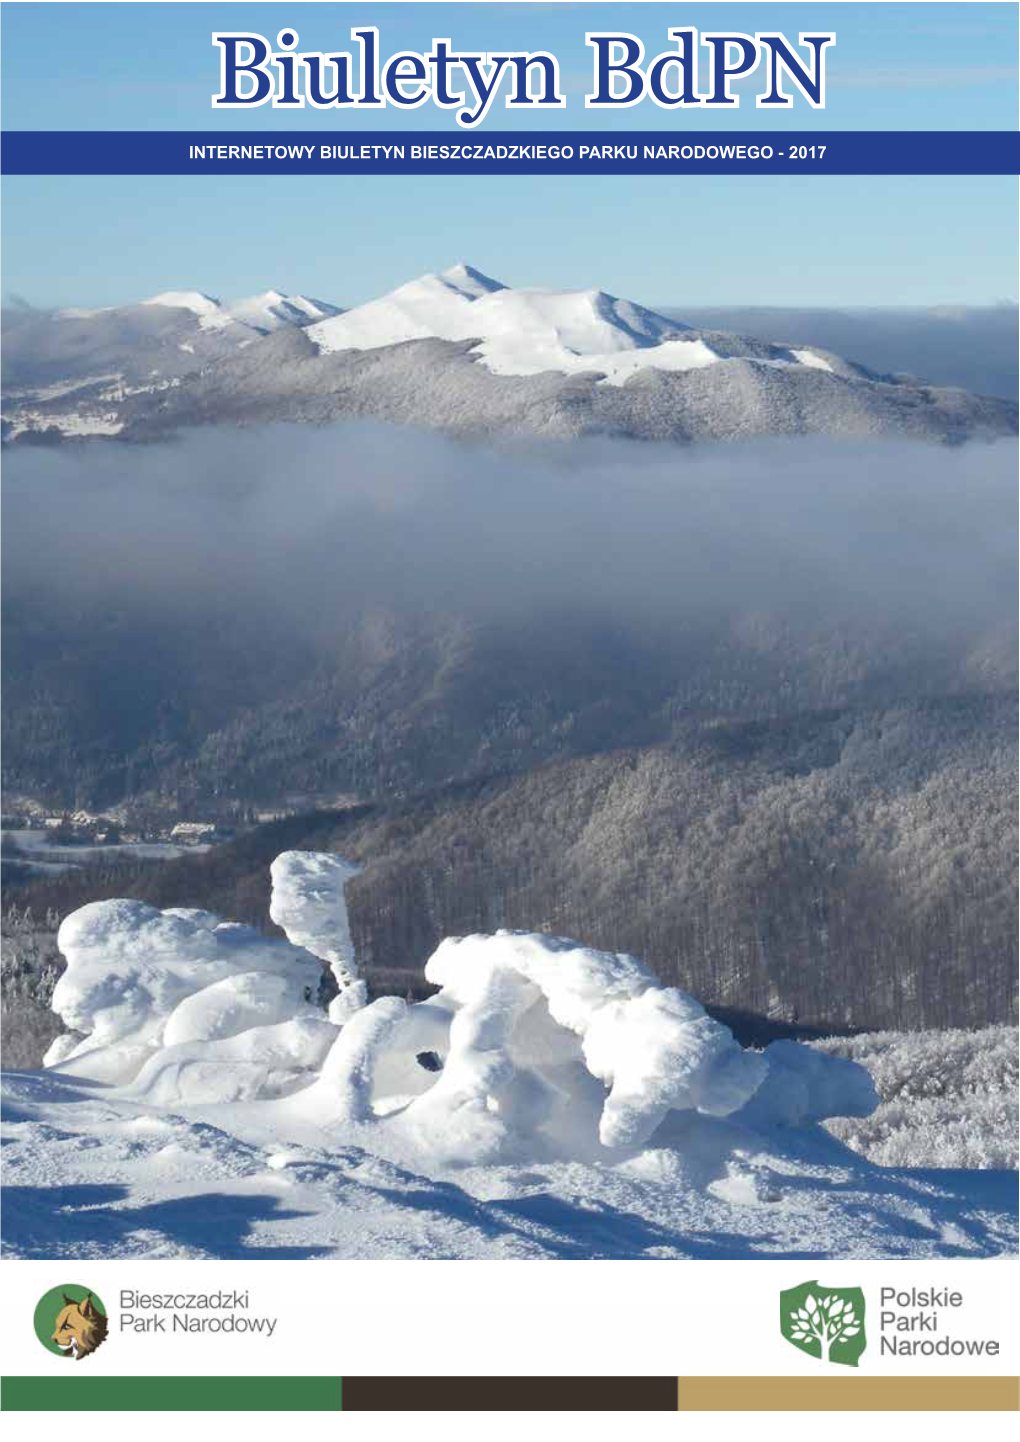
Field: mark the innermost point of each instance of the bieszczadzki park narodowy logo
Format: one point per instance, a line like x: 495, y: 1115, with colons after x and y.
x: 71, y: 1322
x: 825, y: 1322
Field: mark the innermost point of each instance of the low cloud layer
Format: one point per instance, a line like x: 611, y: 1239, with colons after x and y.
x: 306, y: 525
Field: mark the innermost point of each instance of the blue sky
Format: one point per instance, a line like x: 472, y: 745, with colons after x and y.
x: 797, y: 239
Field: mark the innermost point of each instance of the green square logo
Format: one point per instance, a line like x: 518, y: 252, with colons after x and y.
x: 824, y: 1322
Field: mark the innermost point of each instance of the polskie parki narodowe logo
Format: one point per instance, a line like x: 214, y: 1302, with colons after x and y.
x: 71, y: 1321
x: 824, y: 1322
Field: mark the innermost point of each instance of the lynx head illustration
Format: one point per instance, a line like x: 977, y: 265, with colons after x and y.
x: 80, y: 1328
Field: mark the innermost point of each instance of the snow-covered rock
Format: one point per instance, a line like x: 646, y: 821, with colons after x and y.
x: 182, y: 1004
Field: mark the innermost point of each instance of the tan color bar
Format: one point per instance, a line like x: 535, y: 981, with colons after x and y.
x: 848, y: 1394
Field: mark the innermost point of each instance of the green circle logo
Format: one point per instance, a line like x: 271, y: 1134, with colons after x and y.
x: 70, y: 1322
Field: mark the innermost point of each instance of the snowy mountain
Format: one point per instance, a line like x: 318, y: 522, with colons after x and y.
x: 433, y: 305
x: 549, y: 1100
x: 528, y: 331
x: 208, y: 310
x: 78, y: 363
x: 263, y: 313
x: 456, y: 351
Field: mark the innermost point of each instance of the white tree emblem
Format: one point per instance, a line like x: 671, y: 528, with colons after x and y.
x: 826, y: 1322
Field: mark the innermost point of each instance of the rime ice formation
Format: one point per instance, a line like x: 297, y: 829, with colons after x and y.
x: 549, y: 1047
x: 259, y: 1063
x: 189, y: 1007
x: 536, y: 1046
x: 529, y: 1010
x: 308, y: 902
x: 138, y: 980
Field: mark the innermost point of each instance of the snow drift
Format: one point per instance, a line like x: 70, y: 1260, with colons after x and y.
x: 533, y: 1046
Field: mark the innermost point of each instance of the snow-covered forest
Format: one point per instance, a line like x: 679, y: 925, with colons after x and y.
x: 844, y: 869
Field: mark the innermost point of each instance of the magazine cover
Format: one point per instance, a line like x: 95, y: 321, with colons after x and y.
x: 509, y: 699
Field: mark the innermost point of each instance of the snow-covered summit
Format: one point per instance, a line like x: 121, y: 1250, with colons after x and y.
x: 211, y: 315
x: 265, y: 312
x: 466, y: 280
x: 272, y: 310
x: 443, y: 305
x: 529, y: 330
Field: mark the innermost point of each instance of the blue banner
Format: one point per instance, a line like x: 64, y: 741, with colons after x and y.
x: 502, y: 152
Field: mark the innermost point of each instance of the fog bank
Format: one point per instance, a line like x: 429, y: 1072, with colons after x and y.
x: 308, y: 524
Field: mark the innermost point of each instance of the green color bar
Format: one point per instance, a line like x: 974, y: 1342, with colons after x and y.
x: 170, y: 1394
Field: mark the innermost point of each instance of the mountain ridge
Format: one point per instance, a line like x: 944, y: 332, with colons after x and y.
x: 457, y: 351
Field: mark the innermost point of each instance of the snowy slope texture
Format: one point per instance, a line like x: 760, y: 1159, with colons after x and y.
x: 525, y: 332
x: 116, y: 1175
x: 434, y: 305
x: 308, y: 903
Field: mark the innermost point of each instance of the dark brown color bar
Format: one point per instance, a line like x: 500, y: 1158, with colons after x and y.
x: 509, y: 1394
